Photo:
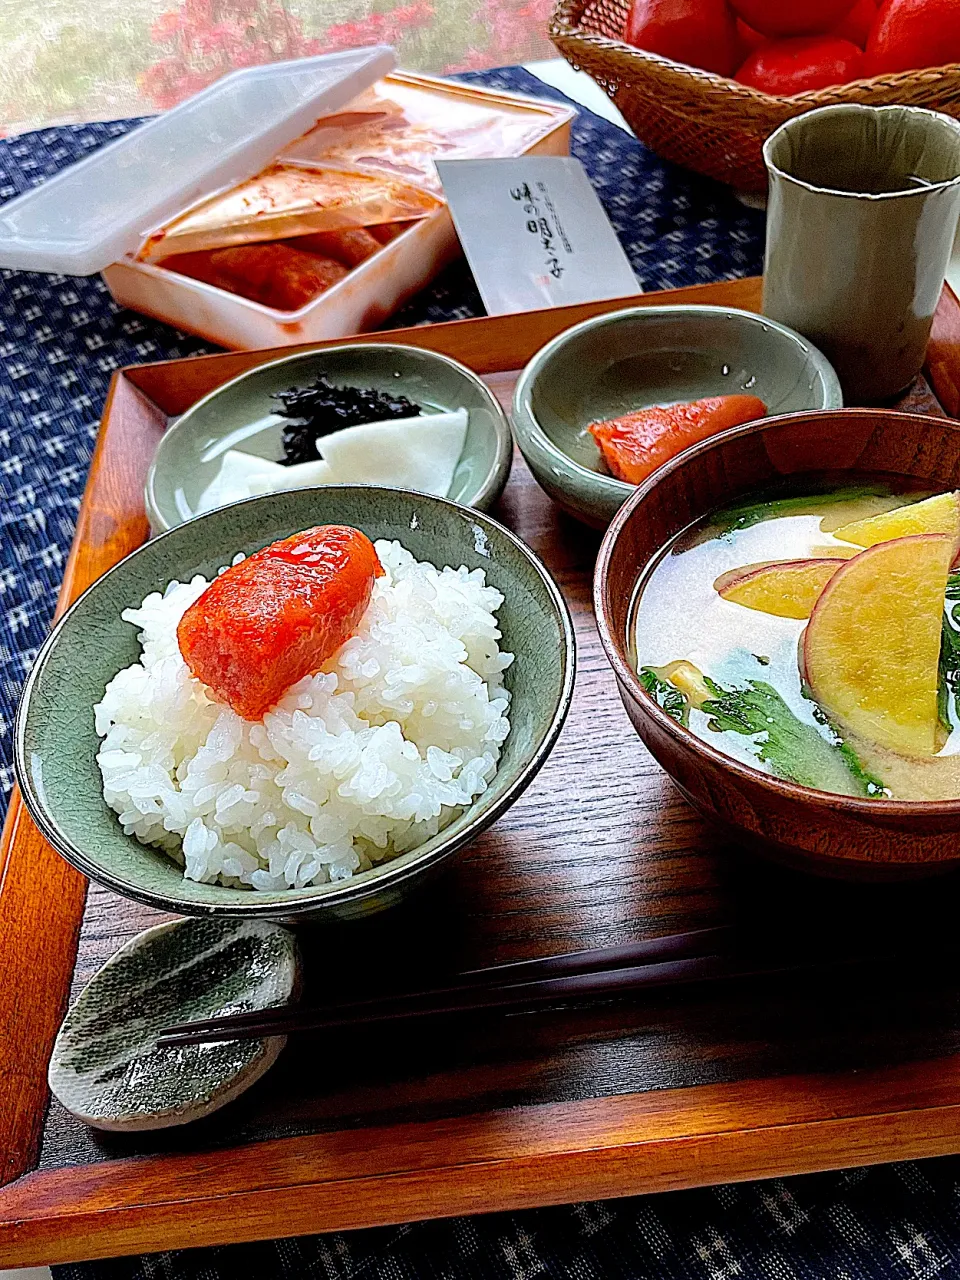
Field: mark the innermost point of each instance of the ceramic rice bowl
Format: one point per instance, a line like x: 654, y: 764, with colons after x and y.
x: 56, y: 742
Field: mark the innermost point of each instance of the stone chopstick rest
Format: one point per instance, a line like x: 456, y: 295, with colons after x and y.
x: 106, y: 1068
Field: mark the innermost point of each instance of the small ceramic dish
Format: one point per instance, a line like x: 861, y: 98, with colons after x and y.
x: 56, y: 742
x: 646, y: 356
x: 240, y: 415
x: 835, y: 835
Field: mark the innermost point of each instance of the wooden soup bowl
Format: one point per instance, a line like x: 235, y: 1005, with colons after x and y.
x: 825, y: 833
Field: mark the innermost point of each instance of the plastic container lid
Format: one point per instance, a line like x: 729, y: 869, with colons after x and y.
x: 103, y: 207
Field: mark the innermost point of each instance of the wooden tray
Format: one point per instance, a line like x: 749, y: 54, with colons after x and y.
x: 708, y: 1085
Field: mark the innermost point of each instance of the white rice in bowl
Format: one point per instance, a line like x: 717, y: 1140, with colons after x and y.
x: 370, y: 757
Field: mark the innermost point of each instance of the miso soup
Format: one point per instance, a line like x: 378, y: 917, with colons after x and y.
x: 815, y: 636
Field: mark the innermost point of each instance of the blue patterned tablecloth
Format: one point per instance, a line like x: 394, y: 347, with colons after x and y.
x: 60, y: 341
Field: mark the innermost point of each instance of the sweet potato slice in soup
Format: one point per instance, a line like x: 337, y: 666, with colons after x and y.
x: 871, y: 650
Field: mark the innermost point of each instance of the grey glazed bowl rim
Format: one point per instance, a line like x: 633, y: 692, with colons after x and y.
x: 856, y: 108
x: 614, y: 645
x: 608, y: 485
x: 492, y: 483
x: 309, y: 900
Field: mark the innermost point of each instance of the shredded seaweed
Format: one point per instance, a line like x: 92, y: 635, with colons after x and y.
x: 665, y: 695
x: 321, y: 408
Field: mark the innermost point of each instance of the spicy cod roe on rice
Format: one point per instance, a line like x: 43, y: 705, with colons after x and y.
x: 369, y: 757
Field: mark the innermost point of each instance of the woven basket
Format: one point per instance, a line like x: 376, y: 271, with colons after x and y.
x: 705, y: 121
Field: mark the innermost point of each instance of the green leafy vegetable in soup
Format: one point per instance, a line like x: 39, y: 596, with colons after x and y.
x: 793, y: 750
x: 854, y: 501
x: 665, y: 694
x: 948, y: 687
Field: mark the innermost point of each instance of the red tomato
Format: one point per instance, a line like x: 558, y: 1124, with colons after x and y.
x: 785, y: 67
x: 914, y: 33
x: 792, y: 17
x: 749, y: 39
x: 856, y: 25
x: 701, y: 33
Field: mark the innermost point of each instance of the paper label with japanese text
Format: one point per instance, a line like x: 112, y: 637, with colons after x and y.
x: 534, y: 233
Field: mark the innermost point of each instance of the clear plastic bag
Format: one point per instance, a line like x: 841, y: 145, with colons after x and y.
x: 396, y: 130
x: 284, y: 202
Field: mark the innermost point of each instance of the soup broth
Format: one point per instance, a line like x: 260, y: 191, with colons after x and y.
x: 812, y: 635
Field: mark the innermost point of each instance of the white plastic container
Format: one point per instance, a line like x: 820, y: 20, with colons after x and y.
x: 103, y: 207
x: 97, y: 214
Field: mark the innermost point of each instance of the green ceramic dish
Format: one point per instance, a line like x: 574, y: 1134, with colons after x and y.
x: 645, y: 356
x: 56, y: 745
x: 240, y: 415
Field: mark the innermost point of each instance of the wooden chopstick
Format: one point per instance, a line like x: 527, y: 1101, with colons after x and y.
x: 675, y: 946
x: 678, y: 946
x: 524, y: 995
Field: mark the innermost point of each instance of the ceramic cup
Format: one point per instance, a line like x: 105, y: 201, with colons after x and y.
x: 861, y: 218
